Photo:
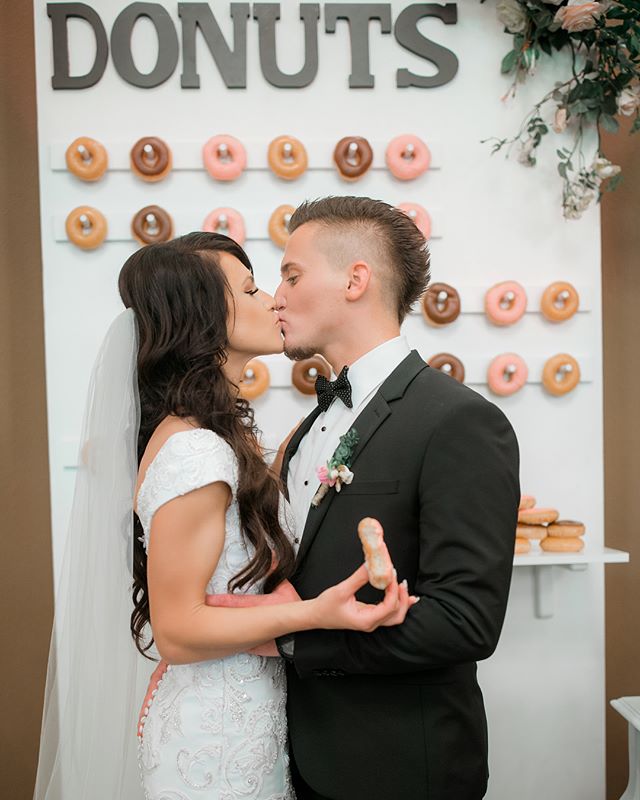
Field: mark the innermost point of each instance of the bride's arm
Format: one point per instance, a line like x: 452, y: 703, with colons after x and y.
x: 187, y: 537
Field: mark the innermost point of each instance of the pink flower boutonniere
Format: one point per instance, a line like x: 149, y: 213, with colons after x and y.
x: 336, y: 472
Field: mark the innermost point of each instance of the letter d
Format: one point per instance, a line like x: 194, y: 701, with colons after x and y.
x: 60, y: 13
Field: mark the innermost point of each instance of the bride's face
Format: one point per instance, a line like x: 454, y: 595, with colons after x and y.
x: 252, y: 322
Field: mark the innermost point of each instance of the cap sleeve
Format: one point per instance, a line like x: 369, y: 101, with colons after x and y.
x: 188, y: 460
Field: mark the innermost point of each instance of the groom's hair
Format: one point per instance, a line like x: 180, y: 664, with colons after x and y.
x: 373, y: 231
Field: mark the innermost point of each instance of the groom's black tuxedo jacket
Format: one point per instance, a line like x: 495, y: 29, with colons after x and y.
x: 397, y: 714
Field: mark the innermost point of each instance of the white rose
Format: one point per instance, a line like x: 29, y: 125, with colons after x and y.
x: 577, y: 200
x: 628, y: 101
x: 560, y: 119
x: 604, y: 169
x: 579, y: 15
x: 512, y: 15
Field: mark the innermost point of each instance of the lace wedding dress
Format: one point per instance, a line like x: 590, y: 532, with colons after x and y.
x: 213, y: 729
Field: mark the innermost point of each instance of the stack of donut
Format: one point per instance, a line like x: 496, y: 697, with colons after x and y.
x: 543, y: 525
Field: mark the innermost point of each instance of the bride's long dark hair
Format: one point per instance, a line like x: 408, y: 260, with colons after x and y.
x: 180, y: 296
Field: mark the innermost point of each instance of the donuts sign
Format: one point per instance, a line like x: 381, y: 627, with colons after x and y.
x: 364, y: 20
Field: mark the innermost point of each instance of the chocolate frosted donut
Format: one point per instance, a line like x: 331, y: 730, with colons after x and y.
x: 448, y: 364
x: 152, y: 224
x: 353, y: 156
x: 305, y: 373
x: 150, y: 158
x: 441, y: 304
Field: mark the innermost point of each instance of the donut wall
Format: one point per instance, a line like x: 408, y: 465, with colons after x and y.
x: 515, y: 312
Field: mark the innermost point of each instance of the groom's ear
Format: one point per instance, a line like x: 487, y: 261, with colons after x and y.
x: 358, y: 278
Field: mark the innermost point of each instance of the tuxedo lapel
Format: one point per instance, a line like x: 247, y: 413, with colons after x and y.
x: 292, y: 447
x: 367, y: 423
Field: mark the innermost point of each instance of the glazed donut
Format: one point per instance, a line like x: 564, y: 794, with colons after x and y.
x: 440, y: 304
x: 419, y: 216
x: 505, y: 303
x: 256, y: 379
x: 507, y: 374
x: 522, y: 546
x: 557, y: 544
x: 287, y: 157
x: 407, y: 157
x: 566, y: 527
x: 376, y: 555
x: 305, y: 373
x: 531, y: 531
x: 152, y: 224
x: 352, y: 156
x: 448, y: 364
x: 150, y: 159
x: 224, y: 158
x: 527, y: 501
x: 86, y: 227
x: 86, y: 159
x: 537, y: 516
x: 227, y: 221
x: 560, y: 374
x: 559, y: 301
x: 279, y: 225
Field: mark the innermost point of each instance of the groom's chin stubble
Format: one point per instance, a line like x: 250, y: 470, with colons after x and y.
x: 299, y: 353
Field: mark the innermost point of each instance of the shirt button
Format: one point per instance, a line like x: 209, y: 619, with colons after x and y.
x: 306, y: 483
x: 324, y: 428
x: 296, y: 540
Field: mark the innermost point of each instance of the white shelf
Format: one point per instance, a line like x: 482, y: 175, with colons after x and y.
x: 590, y: 555
x: 543, y: 572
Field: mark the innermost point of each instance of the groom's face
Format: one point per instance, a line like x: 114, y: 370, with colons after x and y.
x: 310, y: 297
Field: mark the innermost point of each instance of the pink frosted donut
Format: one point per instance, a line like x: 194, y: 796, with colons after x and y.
x: 419, y: 215
x: 407, y: 157
x: 224, y: 158
x: 226, y: 221
x: 505, y: 303
x: 506, y: 374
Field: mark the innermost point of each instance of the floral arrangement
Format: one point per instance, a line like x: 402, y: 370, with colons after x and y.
x: 336, y: 472
x: 603, y: 37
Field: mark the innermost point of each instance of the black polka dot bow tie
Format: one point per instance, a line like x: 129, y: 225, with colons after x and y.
x: 327, y: 391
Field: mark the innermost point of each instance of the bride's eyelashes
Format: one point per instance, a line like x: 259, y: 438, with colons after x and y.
x: 253, y: 291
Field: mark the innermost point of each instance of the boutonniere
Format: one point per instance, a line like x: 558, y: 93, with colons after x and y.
x: 336, y: 471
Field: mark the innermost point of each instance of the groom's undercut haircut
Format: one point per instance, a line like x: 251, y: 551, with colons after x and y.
x: 378, y: 233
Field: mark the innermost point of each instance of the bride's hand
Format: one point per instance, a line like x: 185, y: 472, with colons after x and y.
x: 338, y: 608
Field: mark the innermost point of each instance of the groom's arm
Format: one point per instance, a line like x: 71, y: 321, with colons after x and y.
x: 469, y: 495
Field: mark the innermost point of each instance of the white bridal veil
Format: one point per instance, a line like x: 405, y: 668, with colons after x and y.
x: 96, y: 678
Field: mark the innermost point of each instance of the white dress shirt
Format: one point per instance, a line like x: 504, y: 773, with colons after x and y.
x: 366, y: 375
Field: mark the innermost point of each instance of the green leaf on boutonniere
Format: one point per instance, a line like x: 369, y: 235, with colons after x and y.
x: 344, y: 451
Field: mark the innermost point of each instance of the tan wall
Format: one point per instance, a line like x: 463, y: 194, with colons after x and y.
x: 25, y: 553
x: 25, y: 549
x: 621, y: 310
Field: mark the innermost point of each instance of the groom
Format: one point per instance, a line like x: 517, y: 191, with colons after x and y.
x: 396, y: 714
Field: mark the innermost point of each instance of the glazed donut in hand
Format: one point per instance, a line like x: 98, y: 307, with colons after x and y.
x: 279, y: 225
x: 224, y: 158
x: 505, y: 303
x: 376, y: 555
x: 559, y: 301
x: 440, y: 304
x: 152, y: 224
x: 226, y: 221
x: 407, y: 157
x: 507, y: 374
x: 448, y: 364
x: 352, y: 156
x: 419, y: 216
x: 86, y: 227
x: 305, y: 373
x: 560, y: 374
x: 86, y: 159
x: 255, y: 380
x: 150, y: 159
x: 287, y: 158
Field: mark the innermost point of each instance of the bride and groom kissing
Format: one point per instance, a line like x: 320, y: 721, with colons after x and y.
x: 284, y: 672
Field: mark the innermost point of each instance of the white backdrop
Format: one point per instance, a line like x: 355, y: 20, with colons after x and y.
x: 493, y: 220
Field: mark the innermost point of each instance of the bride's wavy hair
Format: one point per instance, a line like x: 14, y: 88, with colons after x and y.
x: 181, y: 300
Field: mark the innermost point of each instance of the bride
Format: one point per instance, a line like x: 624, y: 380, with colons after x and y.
x: 174, y: 502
